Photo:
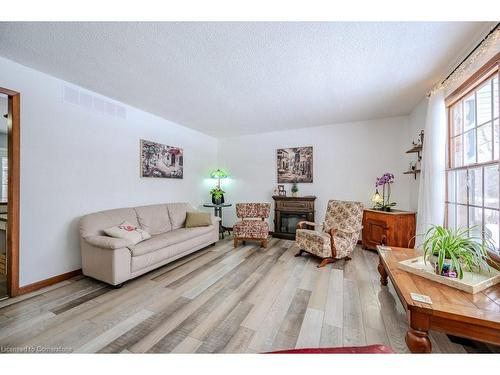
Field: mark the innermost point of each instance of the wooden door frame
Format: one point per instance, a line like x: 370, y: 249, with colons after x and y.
x: 13, y: 190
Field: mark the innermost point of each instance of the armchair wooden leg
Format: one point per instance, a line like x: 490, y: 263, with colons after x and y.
x: 326, y: 261
x: 263, y: 243
x: 299, y: 253
x: 235, y: 242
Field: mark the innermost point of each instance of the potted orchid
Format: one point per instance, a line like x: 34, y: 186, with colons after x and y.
x: 383, y: 203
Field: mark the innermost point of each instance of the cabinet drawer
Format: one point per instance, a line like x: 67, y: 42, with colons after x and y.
x: 295, y: 206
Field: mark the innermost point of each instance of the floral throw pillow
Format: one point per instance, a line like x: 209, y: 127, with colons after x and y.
x: 129, y: 232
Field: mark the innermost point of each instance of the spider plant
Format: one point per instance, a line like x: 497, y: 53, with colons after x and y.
x: 461, y: 249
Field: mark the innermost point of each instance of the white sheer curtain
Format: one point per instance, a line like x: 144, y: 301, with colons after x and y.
x: 432, y: 179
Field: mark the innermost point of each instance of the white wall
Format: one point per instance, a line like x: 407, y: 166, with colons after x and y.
x: 416, y: 123
x: 347, y: 159
x: 75, y: 161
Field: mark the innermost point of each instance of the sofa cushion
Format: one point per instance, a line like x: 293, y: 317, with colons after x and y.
x: 129, y: 232
x: 154, y: 218
x: 177, y: 213
x: 198, y: 219
x: 94, y: 224
x: 167, y: 254
x: 167, y: 239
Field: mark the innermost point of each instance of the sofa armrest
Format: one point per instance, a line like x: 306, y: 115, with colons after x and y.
x: 107, y: 242
x: 215, y: 219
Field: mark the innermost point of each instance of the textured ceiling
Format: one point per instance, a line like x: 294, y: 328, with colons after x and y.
x: 237, y: 78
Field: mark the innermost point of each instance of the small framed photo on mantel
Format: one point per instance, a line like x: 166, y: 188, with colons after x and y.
x: 281, y: 191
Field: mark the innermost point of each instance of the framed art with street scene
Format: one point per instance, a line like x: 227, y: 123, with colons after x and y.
x: 295, y: 164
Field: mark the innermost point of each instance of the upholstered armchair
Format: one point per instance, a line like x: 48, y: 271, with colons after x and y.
x: 253, y: 225
x: 337, y: 238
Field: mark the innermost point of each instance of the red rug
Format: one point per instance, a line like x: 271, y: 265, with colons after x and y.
x: 370, y: 349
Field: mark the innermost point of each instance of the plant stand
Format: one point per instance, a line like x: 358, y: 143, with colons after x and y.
x: 218, y: 212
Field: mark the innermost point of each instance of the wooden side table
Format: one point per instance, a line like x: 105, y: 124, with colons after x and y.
x: 394, y: 228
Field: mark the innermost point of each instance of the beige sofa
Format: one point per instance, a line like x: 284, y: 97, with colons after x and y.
x: 114, y: 260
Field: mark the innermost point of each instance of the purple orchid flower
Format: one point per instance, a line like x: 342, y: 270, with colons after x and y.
x: 387, y: 178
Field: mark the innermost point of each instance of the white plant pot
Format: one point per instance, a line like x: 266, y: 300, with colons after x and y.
x: 433, y: 260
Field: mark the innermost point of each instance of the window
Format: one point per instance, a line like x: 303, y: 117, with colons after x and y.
x: 472, y: 174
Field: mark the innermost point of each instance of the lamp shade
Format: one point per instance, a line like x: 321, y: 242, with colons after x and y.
x: 219, y: 174
x: 377, y: 198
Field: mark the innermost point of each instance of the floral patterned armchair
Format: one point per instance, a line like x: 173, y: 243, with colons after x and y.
x: 339, y: 235
x: 248, y: 228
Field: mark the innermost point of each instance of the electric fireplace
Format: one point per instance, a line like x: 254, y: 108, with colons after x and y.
x: 288, y: 212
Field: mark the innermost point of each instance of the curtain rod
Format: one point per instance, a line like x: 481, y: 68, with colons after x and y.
x: 471, y: 52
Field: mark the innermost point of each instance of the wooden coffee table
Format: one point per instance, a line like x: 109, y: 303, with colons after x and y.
x: 474, y: 316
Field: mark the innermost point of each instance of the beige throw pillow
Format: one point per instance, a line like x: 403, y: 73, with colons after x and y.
x: 129, y: 232
x: 198, y: 219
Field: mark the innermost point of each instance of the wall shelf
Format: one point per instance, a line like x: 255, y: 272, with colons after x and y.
x: 416, y: 148
x: 414, y: 172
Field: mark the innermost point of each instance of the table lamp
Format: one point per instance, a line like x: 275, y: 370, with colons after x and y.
x: 219, y: 174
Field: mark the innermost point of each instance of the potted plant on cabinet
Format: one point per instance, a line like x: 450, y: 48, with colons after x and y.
x: 451, y: 252
x: 294, y: 189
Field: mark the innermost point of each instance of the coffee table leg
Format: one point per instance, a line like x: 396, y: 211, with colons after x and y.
x: 382, y: 272
x: 418, y: 341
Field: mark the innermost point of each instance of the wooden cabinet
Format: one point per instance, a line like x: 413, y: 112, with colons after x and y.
x: 395, y: 228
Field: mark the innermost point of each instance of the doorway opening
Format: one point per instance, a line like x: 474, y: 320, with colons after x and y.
x: 9, y: 192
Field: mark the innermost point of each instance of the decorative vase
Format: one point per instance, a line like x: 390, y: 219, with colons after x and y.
x: 447, y: 271
x: 386, y: 209
x: 294, y: 194
x: 219, y: 200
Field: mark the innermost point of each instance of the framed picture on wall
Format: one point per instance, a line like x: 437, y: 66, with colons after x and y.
x: 295, y: 164
x: 159, y: 160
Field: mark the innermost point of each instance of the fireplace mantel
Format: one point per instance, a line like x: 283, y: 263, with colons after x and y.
x: 288, y: 211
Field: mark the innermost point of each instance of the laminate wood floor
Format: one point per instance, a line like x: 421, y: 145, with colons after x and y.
x: 217, y: 300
